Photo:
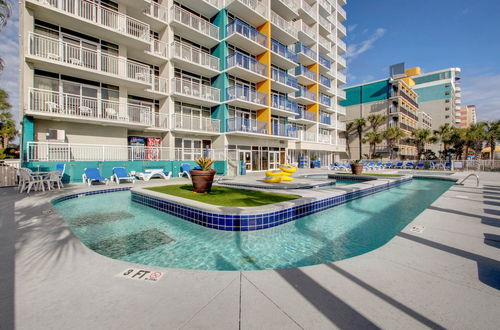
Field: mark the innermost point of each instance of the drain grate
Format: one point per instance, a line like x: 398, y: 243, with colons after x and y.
x: 417, y: 229
x: 99, y: 217
x: 124, y: 245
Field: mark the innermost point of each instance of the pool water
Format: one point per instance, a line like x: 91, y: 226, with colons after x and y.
x: 112, y: 225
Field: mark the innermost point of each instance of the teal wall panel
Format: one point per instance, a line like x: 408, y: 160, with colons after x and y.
x: 433, y: 93
x: 28, y: 134
x: 371, y: 92
x: 432, y: 77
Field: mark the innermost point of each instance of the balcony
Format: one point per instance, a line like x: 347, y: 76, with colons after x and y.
x: 325, y: 8
x: 158, y: 15
x: 306, y: 55
x: 281, y: 81
x: 340, y: 126
x: 160, y: 122
x: 324, y: 81
x: 57, y: 56
x: 159, y: 85
x: 288, y: 9
x: 324, y: 46
x: 325, y: 63
x: 458, y: 101
x: 282, y: 56
x: 246, y: 37
x: 341, y: 110
x: 193, y: 27
x: 342, y: 30
x: 195, y: 124
x: 305, y: 96
x: 195, y: 93
x: 282, y: 30
x: 341, y: 46
x: 246, y: 67
x: 158, y: 51
x: 305, y: 76
x: 284, y: 131
x: 246, y: 126
x: 94, y: 19
x: 251, y: 11
x: 341, y: 14
x: 307, y: 12
x: 247, y: 98
x: 325, y: 120
x: 307, y: 34
x: 305, y: 117
x: 341, y: 94
x: 342, y: 63
x: 325, y: 100
x: 325, y: 27
x: 192, y: 59
x: 207, y: 8
x: 283, y: 107
x: 78, y: 108
x: 325, y: 139
x: 341, y: 78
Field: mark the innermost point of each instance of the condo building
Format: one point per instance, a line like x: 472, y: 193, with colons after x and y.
x: 129, y: 82
x: 397, y: 101
x: 466, y: 116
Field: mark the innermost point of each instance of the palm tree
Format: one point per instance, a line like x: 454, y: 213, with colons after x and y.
x: 8, y: 132
x: 474, y: 138
x: 492, y: 134
x: 373, y: 138
x: 5, y: 12
x: 391, y: 135
x: 420, y: 137
x: 457, y: 140
x: 359, y: 125
x: 445, y: 132
x: 349, y: 129
x: 4, y: 106
x: 376, y: 121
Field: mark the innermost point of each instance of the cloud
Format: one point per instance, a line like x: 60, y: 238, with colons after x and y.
x: 354, y: 50
x: 351, y: 28
x: 482, y: 91
x: 9, y: 52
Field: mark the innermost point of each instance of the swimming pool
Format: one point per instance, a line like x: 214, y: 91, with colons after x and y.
x: 118, y: 228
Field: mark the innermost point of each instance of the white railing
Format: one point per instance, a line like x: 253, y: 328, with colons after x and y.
x: 254, y: 5
x: 341, y: 110
x: 342, y: 11
x: 194, y: 55
x: 341, y: 93
x: 55, y: 151
x: 340, y: 126
x: 308, y: 9
x: 292, y: 4
x: 341, y: 44
x: 327, y: 44
x: 96, y: 13
x: 308, y: 30
x: 323, y: 138
x: 342, y: 28
x: 307, y: 136
x: 77, y: 106
x: 284, y: 24
x: 324, y: 22
x: 160, y: 120
x: 199, y: 24
x: 195, y: 123
x: 159, y: 84
x: 341, y: 77
x: 60, y: 51
x: 325, y: 4
x: 342, y: 61
x: 158, y: 48
x: 157, y: 11
x: 194, y: 89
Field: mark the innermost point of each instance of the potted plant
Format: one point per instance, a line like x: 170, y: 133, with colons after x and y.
x: 357, y: 167
x: 203, y: 178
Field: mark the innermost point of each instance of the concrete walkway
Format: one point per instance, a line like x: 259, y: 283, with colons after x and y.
x: 448, y: 276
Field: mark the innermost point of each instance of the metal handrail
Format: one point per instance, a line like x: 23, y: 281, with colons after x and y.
x: 468, y: 176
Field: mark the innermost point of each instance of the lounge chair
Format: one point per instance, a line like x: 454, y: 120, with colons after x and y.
x: 399, y: 165
x: 93, y: 174
x: 433, y: 165
x: 148, y: 174
x: 447, y: 166
x: 380, y: 165
x: 185, y: 168
x: 119, y: 174
x: 409, y: 165
x: 420, y: 166
x: 388, y: 165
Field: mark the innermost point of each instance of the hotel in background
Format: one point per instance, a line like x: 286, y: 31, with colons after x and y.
x: 131, y: 82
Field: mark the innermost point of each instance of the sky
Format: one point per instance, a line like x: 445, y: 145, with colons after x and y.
x: 432, y: 34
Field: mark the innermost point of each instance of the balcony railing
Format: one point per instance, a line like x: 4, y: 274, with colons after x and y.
x: 342, y: 11
x: 308, y: 8
x: 307, y: 115
x: 342, y: 61
x: 255, y: 5
x: 157, y: 11
x: 341, y: 44
x: 238, y: 92
x: 325, y: 119
x: 96, y: 13
x: 194, y: 55
x: 160, y: 120
x: 159, y: 85
x: 238, y: 124
x: 341, y: 110
x: 341, y: 76
x: 78, y: 106
x: 340, y: 125
x: 325, y: 100
x: 284, y: 24
x: 341, y: 93
x: 303, y: 92
x: 308, y: 30
x: 56, y: 50
x: 324, y: 22
x: 325, y: 43
x: 249, y: 32
x: 197, y: 23
x: 284, y: 130
x: 280, y: 102
x: 325, y: 139
x: 194, y: 89
x: 325, y: 81
x: 195, y: 123
x: 158, y: 48
x: 307, y: 136
x: 342, y: 28
x: 246, y: 62
x: 325, y: 4
x: 303, y: 71
x: 284, y: 51
x: 284, y: 78
x: 325, y: 62
x: 301, y: 48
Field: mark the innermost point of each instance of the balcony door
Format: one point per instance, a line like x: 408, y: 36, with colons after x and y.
x: 80, y: 52
x: 80, y: 100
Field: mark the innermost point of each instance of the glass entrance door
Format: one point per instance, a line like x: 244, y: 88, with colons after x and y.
x: 274, y: 160
x: 246, y: 157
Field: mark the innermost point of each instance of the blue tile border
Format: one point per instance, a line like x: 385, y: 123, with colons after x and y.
x: 237, y: 222
x: 88, y: 193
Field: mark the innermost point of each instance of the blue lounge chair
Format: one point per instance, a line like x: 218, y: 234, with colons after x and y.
x: 119, y: 174
x: 409, y: 165
x: 92, y: 174
x: 185, y: 168
x: 433, y: 165
x: 420, y: 166
x: 399, y: 165
x: 380, y: 165
x: 447, y: 166
x: 61, y: 168
x: 388, y: 165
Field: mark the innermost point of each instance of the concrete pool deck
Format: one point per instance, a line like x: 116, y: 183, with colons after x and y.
x: 447, y: 276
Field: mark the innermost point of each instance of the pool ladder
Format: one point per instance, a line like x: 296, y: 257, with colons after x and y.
x: 468, y: 176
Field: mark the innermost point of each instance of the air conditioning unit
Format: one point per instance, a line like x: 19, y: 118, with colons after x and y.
x: 56, y: 135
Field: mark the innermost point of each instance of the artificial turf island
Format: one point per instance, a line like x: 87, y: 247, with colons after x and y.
x: 224, y: 196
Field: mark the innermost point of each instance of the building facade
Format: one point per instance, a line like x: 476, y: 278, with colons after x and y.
x: 467, y: 116
x: 392, y: 98
x: 133, y: 82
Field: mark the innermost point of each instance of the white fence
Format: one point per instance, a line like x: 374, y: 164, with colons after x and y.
x: 195, y: 123
x: 454, y: 165
x: 8, y: 172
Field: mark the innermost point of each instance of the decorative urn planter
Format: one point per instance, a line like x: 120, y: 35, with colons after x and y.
x: 357, y: 169
x: 202, y: 180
